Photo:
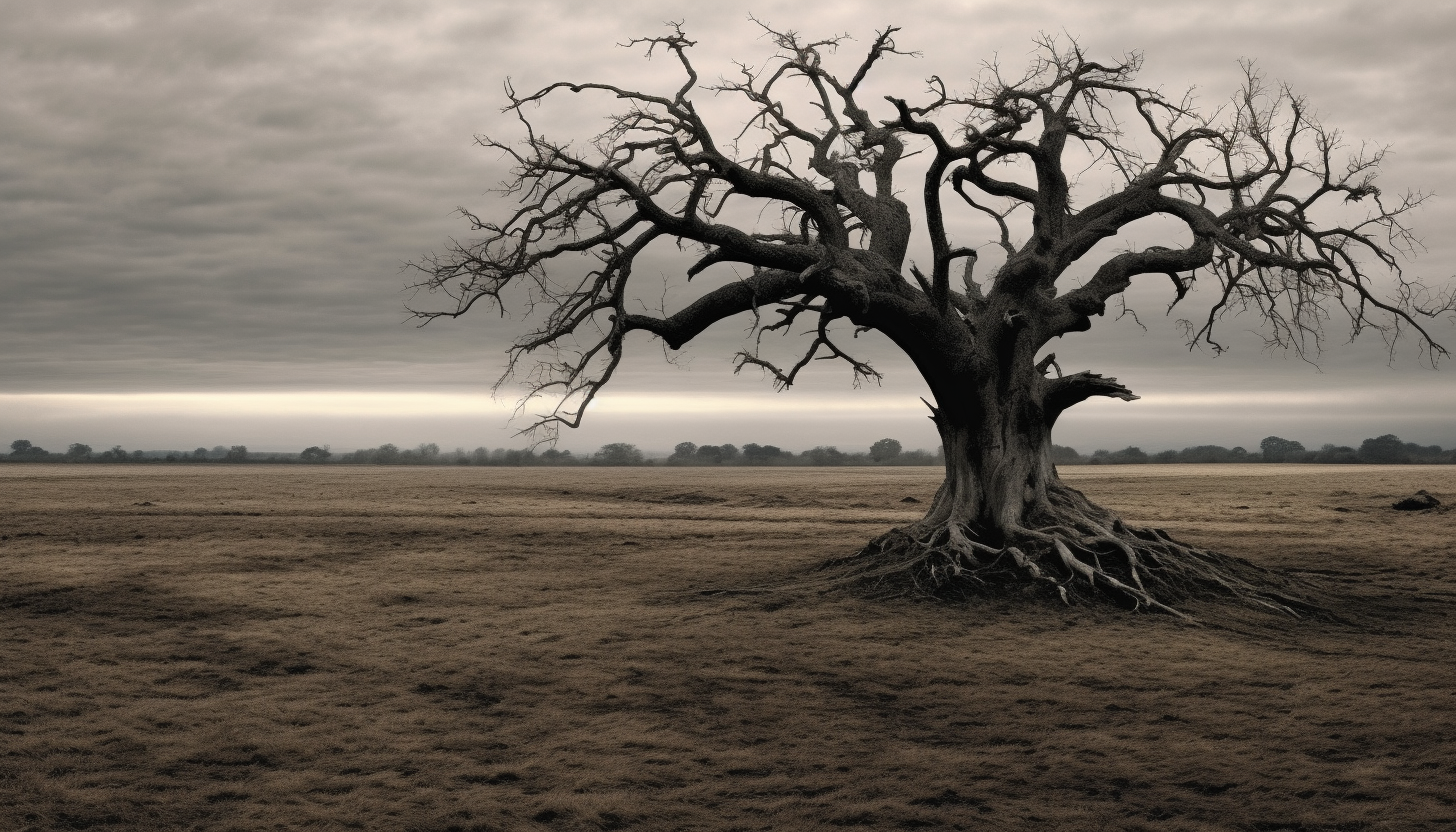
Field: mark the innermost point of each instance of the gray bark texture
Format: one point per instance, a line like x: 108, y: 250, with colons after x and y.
x: 1245, y: 187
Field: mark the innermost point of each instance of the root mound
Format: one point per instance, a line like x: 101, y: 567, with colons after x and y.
x: 1070, y: 549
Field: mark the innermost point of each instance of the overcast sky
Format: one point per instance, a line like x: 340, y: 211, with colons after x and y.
x: 205, y: 207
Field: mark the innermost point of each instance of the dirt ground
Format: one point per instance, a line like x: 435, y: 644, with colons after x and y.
x: 431, y: 649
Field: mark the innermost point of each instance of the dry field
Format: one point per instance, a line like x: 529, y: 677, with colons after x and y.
x: 274, y: 647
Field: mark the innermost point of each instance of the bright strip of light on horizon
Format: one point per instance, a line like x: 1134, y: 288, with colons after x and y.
x: 404, y: 403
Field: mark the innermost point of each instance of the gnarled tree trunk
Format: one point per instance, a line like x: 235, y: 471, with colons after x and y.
x: 1003, y: 519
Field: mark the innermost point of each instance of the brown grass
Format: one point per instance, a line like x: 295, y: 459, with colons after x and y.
x: 270, y: 647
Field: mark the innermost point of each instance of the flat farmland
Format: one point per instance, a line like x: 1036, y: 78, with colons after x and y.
x: 289, y: 647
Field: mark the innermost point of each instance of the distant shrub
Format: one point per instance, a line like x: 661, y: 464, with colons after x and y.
x: 1131, y: 455
x: 618, y: 453
x: 1062, y: 455
x: 825, y: 455
x: 1276, y: 449
x: 314, y: 453
x: 755, y: 454
x: 1384, y: 450
x: 885, y: 450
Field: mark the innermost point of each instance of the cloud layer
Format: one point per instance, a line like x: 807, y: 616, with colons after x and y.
x: 220, y: 196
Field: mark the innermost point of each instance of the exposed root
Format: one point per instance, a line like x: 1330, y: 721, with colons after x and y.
x: 1072, y: 550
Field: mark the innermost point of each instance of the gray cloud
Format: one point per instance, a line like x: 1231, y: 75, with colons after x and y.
x: 220, y: 196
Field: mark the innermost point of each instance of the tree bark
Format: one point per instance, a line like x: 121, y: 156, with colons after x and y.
x: 997, y: 458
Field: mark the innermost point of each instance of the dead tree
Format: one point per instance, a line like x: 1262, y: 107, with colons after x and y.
x: 1276, y: 220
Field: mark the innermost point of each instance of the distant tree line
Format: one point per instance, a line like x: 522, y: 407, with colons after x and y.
x: 1384, y: 450
x: 1379, y: 450
x: 883, y: 452
x: 23, y: 450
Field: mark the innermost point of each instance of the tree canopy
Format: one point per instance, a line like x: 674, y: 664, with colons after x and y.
x: 809, y: 192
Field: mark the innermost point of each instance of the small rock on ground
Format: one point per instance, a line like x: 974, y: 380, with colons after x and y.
x: 1420, y: 501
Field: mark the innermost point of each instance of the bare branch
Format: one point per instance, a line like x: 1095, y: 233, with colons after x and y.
x: 785, y: 379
